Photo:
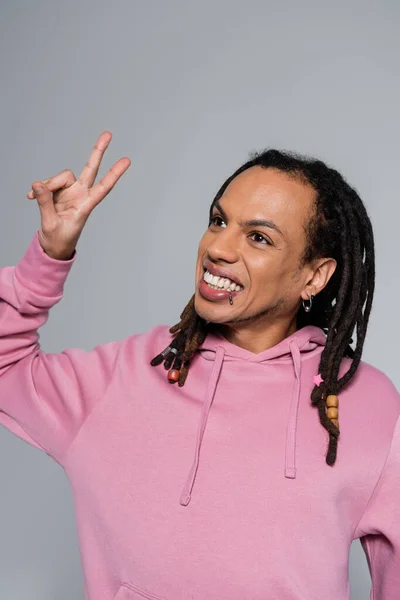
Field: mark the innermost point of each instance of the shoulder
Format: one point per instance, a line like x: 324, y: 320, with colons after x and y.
x: 374, y: 380
x: 373, y: 387
x: 149, y: 343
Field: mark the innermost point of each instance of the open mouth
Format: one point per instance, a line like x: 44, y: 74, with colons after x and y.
x: 221, y: 283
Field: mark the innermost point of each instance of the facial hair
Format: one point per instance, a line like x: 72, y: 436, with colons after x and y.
x: 263, y: 314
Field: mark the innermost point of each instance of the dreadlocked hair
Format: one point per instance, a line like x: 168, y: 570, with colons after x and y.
x: 339, y: 228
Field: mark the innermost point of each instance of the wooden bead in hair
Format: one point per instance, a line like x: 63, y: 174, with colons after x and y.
x: 332, y: 409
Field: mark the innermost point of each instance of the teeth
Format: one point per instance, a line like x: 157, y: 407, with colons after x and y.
x: 219, y: 283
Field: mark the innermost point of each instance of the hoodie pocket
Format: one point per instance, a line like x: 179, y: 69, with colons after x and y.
x: 128, y: 591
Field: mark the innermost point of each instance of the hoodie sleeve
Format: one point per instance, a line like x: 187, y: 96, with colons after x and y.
x: 44, y: 398
x: 379, y: 527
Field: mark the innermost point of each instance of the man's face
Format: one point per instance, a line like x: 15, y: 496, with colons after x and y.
x: 264, y: 260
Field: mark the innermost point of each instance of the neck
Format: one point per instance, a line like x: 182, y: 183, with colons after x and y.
x: 256, y: 339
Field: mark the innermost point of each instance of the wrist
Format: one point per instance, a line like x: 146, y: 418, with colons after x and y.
x: 60, y: 256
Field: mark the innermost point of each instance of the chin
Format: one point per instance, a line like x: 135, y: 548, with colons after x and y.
x: 209, y: 311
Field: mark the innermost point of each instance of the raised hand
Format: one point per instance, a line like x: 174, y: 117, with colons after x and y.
x: 65, y: 202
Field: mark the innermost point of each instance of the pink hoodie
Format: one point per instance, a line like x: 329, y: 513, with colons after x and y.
x: 215, y: 491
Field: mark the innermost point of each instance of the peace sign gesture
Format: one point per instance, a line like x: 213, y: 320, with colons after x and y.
x: 66, y: 202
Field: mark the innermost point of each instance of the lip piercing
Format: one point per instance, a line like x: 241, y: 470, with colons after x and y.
x: 230, y: 299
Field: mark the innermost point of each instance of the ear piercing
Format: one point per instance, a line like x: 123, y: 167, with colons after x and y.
x: 307, y: 307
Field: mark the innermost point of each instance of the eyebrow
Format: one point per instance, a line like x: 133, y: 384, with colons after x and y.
x: 253, y: 222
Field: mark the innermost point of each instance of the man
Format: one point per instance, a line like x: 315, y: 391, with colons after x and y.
x: 217, y: 487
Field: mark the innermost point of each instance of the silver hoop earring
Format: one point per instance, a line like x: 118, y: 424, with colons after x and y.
x: 307, y: 307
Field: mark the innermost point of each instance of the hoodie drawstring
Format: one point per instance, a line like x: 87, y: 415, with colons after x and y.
x: 208, y: 399
x: 291, y: 430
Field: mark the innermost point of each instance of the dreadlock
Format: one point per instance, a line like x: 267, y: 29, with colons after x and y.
x: 339, y: 228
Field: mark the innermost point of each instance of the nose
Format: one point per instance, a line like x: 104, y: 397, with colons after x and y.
x: 224, y: 248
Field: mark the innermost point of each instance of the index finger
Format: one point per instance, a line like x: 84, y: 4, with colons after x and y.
x: 91, y: 168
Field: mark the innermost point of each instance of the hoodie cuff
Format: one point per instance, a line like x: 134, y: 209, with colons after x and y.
x: 41, y: 273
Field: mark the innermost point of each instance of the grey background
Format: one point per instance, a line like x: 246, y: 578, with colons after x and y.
x: 188, y: 89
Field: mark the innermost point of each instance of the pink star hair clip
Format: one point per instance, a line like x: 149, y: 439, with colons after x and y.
x: 317, y: 379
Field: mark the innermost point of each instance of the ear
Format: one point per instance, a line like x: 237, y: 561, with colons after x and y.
x: 322, y: 271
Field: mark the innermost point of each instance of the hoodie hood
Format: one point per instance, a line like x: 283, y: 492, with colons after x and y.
x: 291, y: 349
x: 306, y: 339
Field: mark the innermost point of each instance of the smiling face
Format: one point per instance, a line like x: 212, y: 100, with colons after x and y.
x: 256, y: 237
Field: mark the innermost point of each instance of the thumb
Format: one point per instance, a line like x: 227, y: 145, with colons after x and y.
x: 44, y: 198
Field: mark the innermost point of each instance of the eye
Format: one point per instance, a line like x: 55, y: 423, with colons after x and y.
x: 216, y: 220
x: 260, y: 239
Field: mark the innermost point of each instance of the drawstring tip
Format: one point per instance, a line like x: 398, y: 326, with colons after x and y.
x: 185, y: 499
x: 290, y: 472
